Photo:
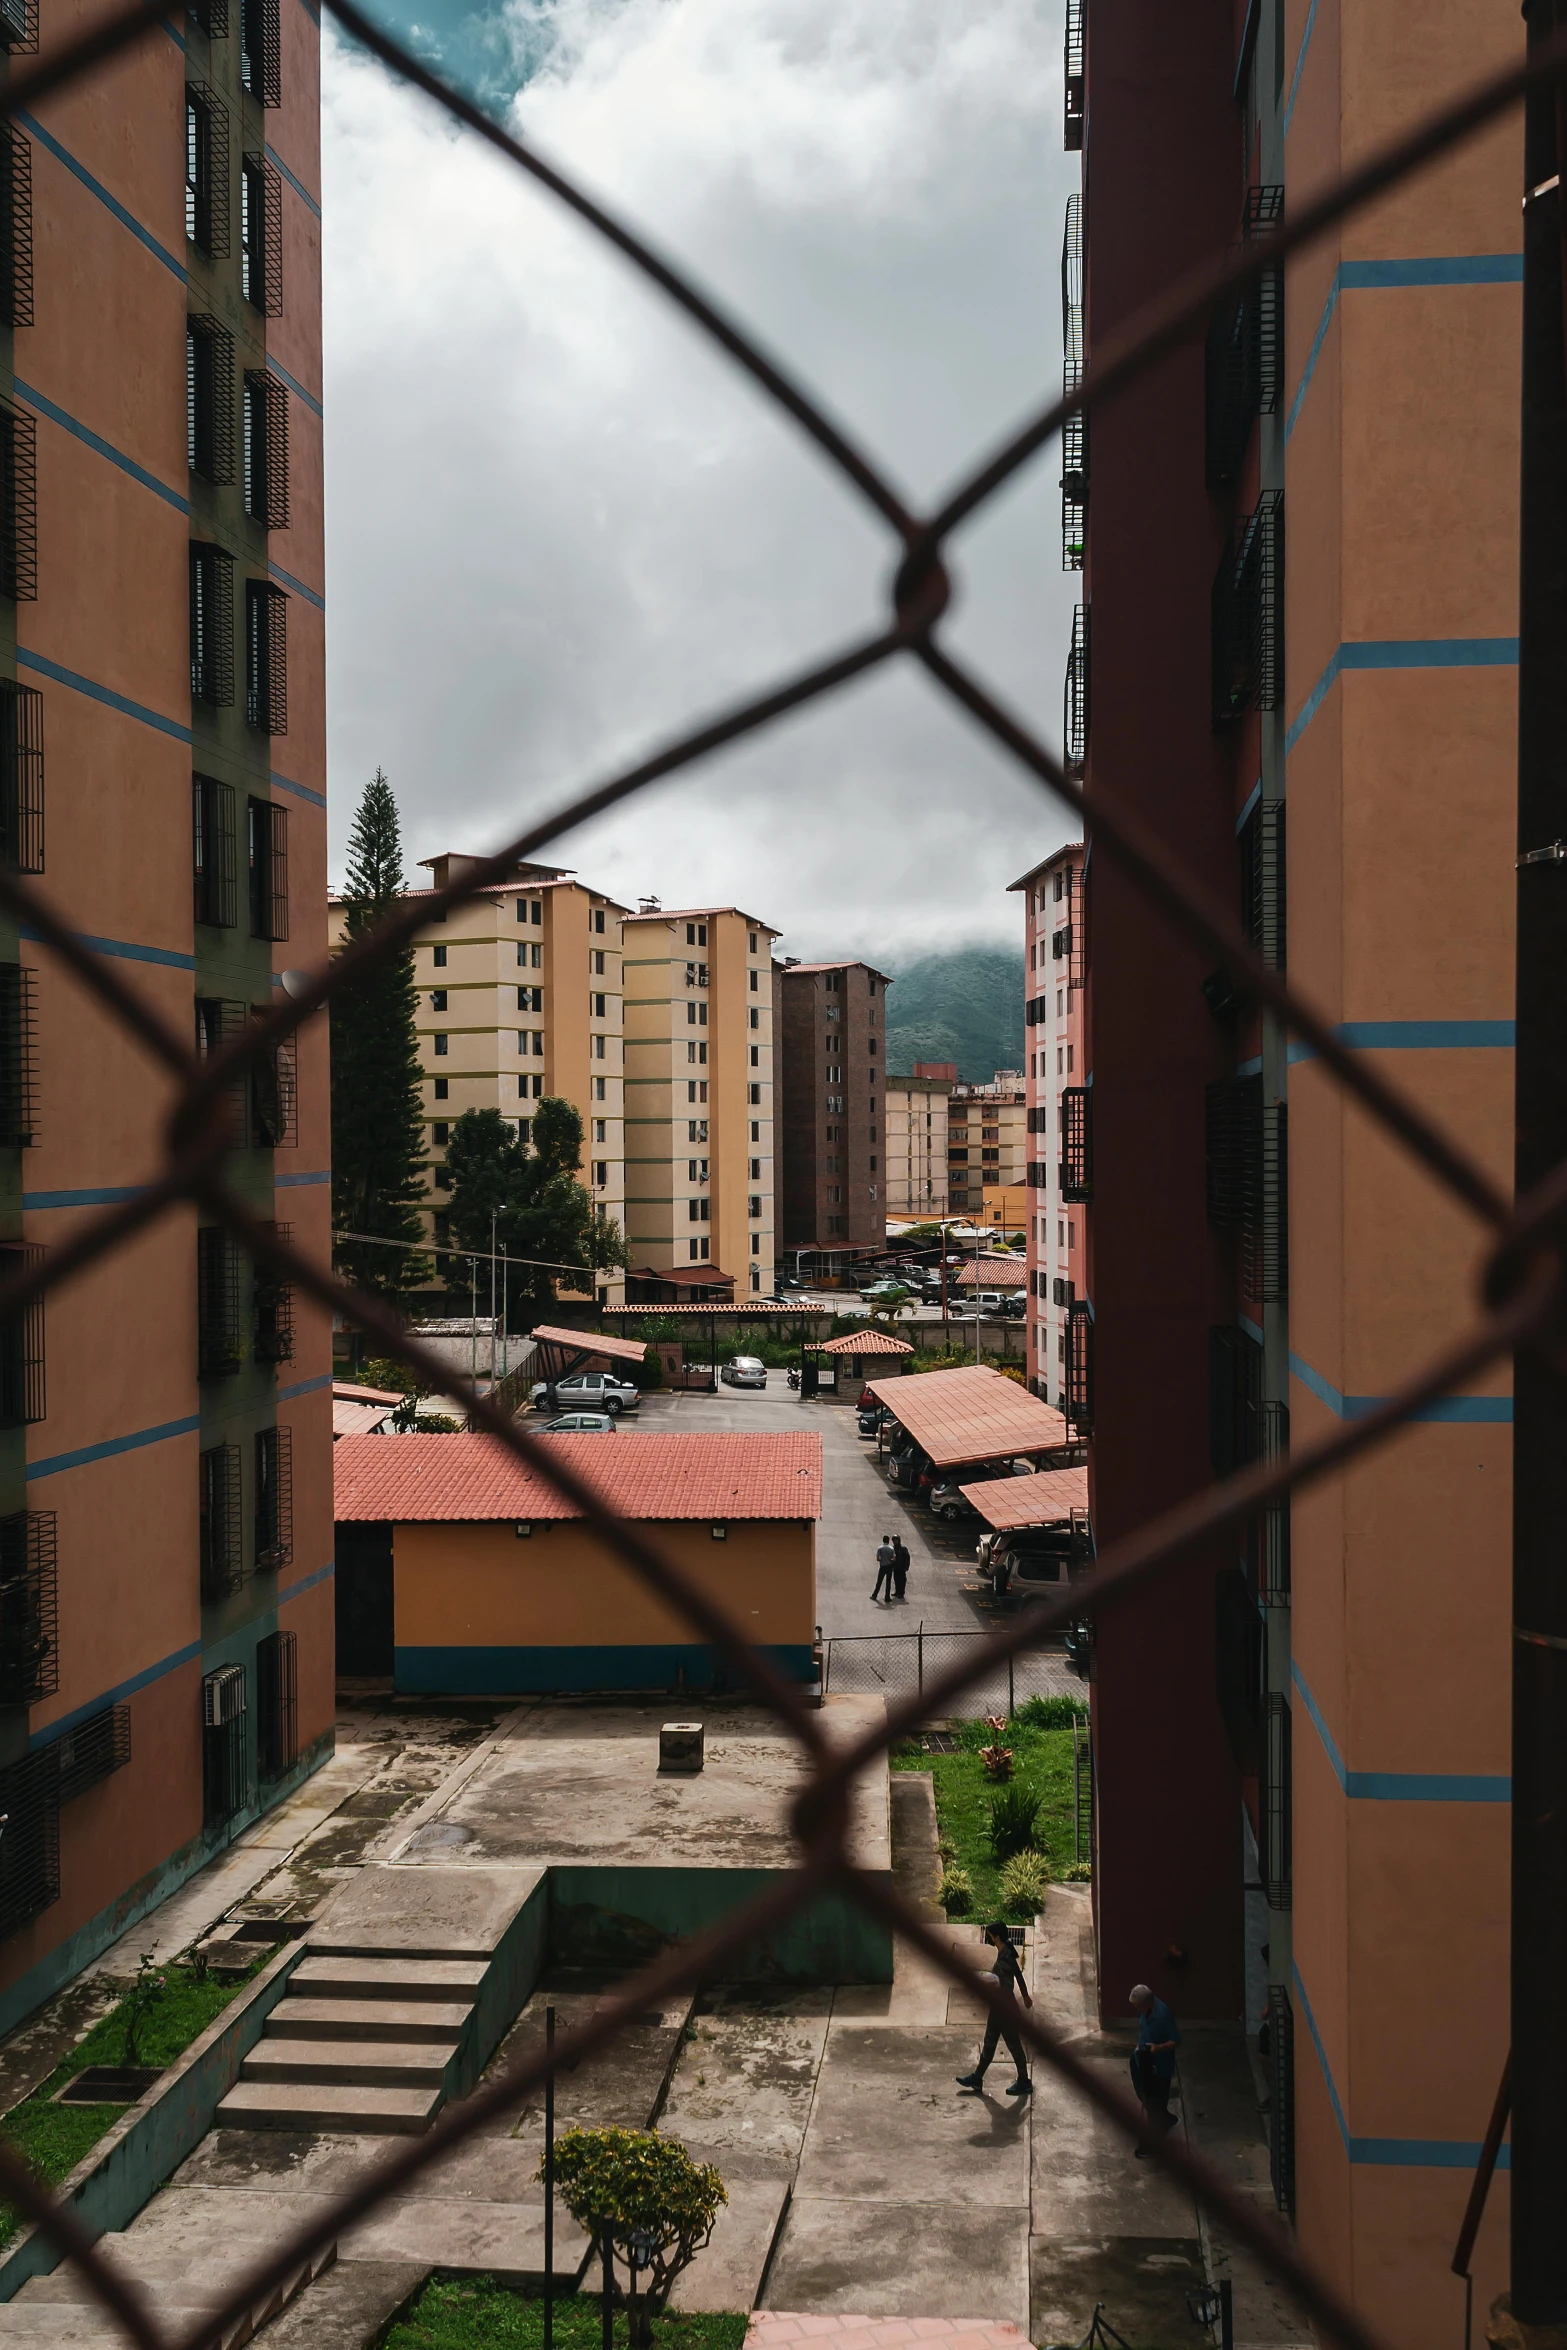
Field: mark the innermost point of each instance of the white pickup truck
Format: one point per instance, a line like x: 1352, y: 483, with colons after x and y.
x: 590, y: 1391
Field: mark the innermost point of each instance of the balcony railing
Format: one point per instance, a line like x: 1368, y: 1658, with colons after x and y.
x: 1077, y: 1143
x: 1262, y: 881
x: 1244, y: 363
x: 1072, y: 78
x: 1074, y: 433
x: 1079, y: 1404
x: 1247, y: 614
x: 1074, y: 718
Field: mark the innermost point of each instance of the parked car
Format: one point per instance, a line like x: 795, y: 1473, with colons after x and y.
x: 590, y: 1391
x: 745, y: 1371
x: 949, y: 1503
x: 875, y: 1291
x: 874, y: 1417
x: 987, y: 1301
x: 581, y: 1424
x: 910, y: 1468
x: 1037, y: 1554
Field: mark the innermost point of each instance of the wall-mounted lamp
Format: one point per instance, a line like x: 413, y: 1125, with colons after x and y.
x: 720, y: 1533
x: 524, y: 1528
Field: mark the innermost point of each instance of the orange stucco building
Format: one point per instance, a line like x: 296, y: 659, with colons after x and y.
x: 165, y: 1455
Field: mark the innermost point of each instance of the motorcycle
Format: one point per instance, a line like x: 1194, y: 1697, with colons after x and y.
x: 794, y: 1378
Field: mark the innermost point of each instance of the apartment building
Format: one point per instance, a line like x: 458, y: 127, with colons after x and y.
x: 519, y: 998
x: 1059, y: 1173
x: 1262, y: 1265
x: 166, y: 1637
x: 987, y: 1144
x: 699, y: 1119
x: 915, y: 1115
x: 832, y: 1023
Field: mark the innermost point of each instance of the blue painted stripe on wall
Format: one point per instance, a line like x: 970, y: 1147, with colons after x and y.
x: 301, y: 791
x: 295, y: 386
x: 479, y: 1671
x: 293, y: 1182
x: 102, y: 693
x: 1416, y: 1036
x: 1244, y: 818
x: 101, y: 447
x: 298, y: 586
x: 304, y: 1387
x: 177, y: 38
x: 1471, y: 1410
x: 1400, y: 1786
x: 1392, y: 2153
x: 111, y: 1445
x: 1251, y: 1068
x: 1453, y: 269
x: 1300, y: 60
x: 1251, y: 1328
x: 97, y: 188
x: 125, y: 949
x: 142, y: 1680
x: 298, y: 186
x: 1435, y: 652
x: 324, y: 1574
x: 109, y: 1195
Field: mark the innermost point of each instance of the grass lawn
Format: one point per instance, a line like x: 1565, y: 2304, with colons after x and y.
x: 54, y: 2138
x: 1041, y: 1759
x: 472, y: 2313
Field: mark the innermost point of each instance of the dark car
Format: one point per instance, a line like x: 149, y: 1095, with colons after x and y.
x: 873, y: 1417
x: 910, y: 1469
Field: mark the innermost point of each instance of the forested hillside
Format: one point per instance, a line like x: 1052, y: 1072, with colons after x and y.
x: 964, y: 1006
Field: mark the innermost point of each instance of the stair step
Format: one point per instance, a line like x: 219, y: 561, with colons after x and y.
x: 368, y: 2019
x: 328, y: 2105
x: 381, y: 2064
x: 316, y: 1977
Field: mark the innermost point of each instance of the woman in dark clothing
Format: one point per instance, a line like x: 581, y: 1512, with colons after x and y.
x: 1008, y: 1976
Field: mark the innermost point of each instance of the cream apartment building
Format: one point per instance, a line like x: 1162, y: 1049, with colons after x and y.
x: 915, y: 1116
x: 699, y: 1102
x: 987, y: 1144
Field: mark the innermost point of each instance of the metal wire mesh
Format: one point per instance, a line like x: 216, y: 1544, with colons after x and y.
x: 1520, y: 1290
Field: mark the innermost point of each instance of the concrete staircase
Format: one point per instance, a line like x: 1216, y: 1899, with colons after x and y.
x: 361, y: 2044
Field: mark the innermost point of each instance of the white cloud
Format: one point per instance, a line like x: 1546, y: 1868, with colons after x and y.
x: 562, y: 527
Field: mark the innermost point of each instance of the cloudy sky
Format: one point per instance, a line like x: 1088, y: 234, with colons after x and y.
x: 560, y: 527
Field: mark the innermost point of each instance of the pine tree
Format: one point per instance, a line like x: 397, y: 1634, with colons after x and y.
x: 377, y: 1102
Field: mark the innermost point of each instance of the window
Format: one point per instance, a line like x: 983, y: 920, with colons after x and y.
x: 596, y: 1007
x: 530, y: 910
x: 750, y: 940
x: 266, y: 449
x: 438, y: 957
x: 755, y: 977
x: 756, y: 1135
x: 272, y: 1307
x: 268, y: 868
x: 21, y: 777
x: 756, y: 1056
x: 601, y: 1048
x: 443, y: 1046
x: 212, y: 851
x: 219, y: 1347
x: 524, y: 1129
x: 530, y: 999
x: 533, y: 1086
x: 1247, y: 614
x: 696, y: 934
x: 598, y: 926
x: 29, y: 1614
x: 16, y: 223
x: 701, y: 1091
x: 18, y: 1102
x: 753, y: 1095
x: 596, y: 962
x: 274, y: 1093
x: 601, y: 1129
x: 274, y: 1497
x: 756, y: 1170
x: 209, y: 399
x: 206, y: 171
x: 530, y: 957
x: 756, y: 1019
x: 266, y: 657
x: 693, y: 1252
x: 261, y: 235
x: 601, y: 1172
x: 222, y: 1560
x: 260, y: 50
x: 225, y: 1775
x: 753, y: 1206
x: 211, y: 625
x: 21, y: 1347
x: 600, y: 1090
x: 442, y: 1088
x: 277, y: 1704
x: 438, y: 999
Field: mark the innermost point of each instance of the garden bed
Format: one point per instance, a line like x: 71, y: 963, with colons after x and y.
x: 474, y: 2313
x: 1040, y: 1736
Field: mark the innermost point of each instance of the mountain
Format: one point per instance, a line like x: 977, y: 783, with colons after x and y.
x: 964, y: 1006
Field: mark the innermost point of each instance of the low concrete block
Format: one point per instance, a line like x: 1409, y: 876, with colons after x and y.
x: 904, y: 2260
x: 421, y: 1912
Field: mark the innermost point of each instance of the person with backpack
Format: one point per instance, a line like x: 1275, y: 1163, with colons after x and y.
x: 886, y: 1568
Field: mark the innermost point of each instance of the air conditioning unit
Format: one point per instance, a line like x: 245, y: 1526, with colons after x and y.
x: 223, y: 1696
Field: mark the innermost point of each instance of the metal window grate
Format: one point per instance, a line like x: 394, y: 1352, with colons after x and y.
x: 266, y: 851
x: 272, y: 1307
x: 21, y: 777
x: 277, y: 1704
x: 1244, y: 354
x: 16, y: 227
x: 1281, y: 2097
x: 213, y: 18
x: 211, y: 625
x: 261, y: 235
x: 1074, y: 432
x: 274, y: 1497
x: 1265, y: 1227
x: 29, y: 1839
x: 209, y: 398
x: 18, y: 25
x: 1072, y: 79
x: 1079, y: 1403
x: 1247, y: 614
x: 221, y: 1547
x: 93, y: 1751
x: 29, y: 1608
x: 266, y: 657
x: 225, y: 1775
x: 1268, y: 1537
x: 1233, y: 1135
x: 1074, y: 719
x: 220, y: 1346
x: 261, y: 50
x: 274, y: 1092
x: 1262, y: 881
x: 266, y: 449
x: 1234, y: 1398
x: 206, y: 171
x: 1274, y: 1793
x: 22, y: 1390
x: 219, y: 1024
x: 18, y: 504
x: 18, y: 1055
x: 1077, y: 1143
x: 212, y: 851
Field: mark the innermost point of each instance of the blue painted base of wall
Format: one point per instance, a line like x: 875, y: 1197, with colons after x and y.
x: 536, y: 1672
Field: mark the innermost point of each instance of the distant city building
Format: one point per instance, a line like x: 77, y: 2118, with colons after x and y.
x: 916, y: 1142
x: 987, y: 1140
x: 1057, y: 1175
x: 832, y: 1030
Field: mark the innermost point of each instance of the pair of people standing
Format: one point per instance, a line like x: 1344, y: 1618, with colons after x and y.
x: 892, y: 1568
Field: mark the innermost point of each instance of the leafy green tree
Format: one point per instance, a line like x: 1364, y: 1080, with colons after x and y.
x: 527, y: 1196
x: 639, y: 2185
x: 377, y: 1101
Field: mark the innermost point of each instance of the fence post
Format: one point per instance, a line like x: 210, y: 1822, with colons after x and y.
x: 920, y: 1636
x: 1011, y: 1688
x: 1077, y: 1797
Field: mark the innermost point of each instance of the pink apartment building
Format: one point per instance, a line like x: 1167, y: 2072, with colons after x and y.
x: 1060, y: 1176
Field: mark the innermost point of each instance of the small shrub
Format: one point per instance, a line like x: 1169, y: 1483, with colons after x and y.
x: 1023, y: 1883
x: 1013, y: 1818
x: 957, y: 1892
x: 1052, y: 1713
x: 945, y: 1848
x: 1080, y: 1872
x: 997, y: 1761
x: 635, y: 2181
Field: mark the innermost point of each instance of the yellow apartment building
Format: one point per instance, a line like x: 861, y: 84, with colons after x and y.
x: 698, y: 1100
x: 987, y: 1140
x: 916, y: 1145
x: 519, y: 998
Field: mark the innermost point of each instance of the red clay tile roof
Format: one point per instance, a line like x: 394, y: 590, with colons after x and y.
x: 993, y: 1273
x: 352, y: 1394
x: 970, y: 1415
x: 686, y: 1274
x: 1029, y: 1501
x: 863, y: 1342
x: 423, y: 1480
x: 593, y: 1342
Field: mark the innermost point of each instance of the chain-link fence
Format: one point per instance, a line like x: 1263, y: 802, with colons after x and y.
x: 888, y: 1664
x: 1522, y: 1285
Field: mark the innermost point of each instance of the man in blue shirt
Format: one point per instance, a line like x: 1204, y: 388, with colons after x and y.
x: 1153, y: 2059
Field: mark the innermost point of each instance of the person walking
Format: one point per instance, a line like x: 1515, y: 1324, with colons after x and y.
x: 886, y: 1568
x: 1008, y: 1977
x: 900, y: 1567
x: 1153, y: 2059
